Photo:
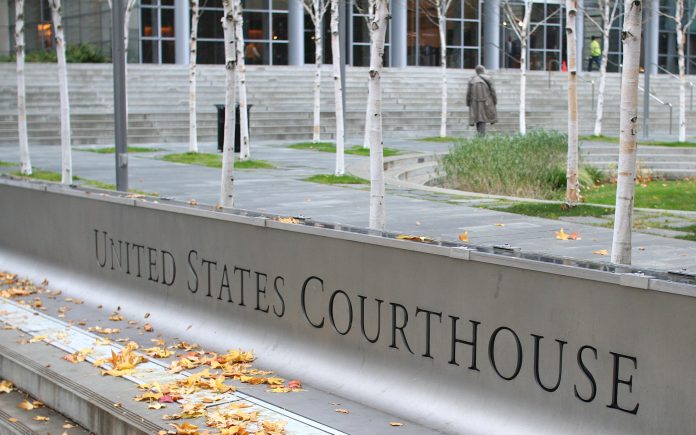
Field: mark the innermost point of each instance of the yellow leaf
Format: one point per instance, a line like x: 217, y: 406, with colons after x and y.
x: 601, y: 252
x: 395, y: 424
x: 464, y: 237
x: 342, y: 411
x: 6, y: 386
x: 421, y: 239
x: 12, y: 420
x: 25, y: 405
x: 561, y: 235
x: 115, y: 317
x: 41, y: 418
x: 156, y: 405
x: 38, y: 338
x: 497, y: 225
x: 185, y: 428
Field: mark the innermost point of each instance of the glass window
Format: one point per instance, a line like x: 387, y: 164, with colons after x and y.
x: 149, y: 23
x: 168, y: 51
x: 454, y: 33
x: 280, y: 27
x: 471, y: 34
x: 209, y: 25
x: 471, y: 58
x: 150, y: 52
x: 256, y: 25
x: 168, y: 23
x: 280, y: 53
x: 211, y: 52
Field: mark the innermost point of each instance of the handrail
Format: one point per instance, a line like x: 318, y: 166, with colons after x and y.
x: 664, y: 103
x: 676, y: 77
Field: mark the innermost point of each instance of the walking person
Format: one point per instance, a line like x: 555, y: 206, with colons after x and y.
x: 595, y: 54
x: 481, y: 99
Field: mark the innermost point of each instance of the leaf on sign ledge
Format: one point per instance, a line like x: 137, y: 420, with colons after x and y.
x: 464, y: 237
x: 562, y: 235
x: 601, y: 252
x: 421, y: 239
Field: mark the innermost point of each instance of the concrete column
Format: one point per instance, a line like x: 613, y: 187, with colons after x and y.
x: 296, y: 54
x: 580, y: 34
x: 654, y: 23
x: 182, y: 30
x: 5, y: 36
x: 399, y: 22
x: 491, y: 34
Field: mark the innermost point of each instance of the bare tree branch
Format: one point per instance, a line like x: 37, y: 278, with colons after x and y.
x: 548, y: 17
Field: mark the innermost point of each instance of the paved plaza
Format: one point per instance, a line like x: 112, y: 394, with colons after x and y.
x: 410, y: 210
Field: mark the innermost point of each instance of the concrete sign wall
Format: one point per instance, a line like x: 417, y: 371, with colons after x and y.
x: 461, y: 341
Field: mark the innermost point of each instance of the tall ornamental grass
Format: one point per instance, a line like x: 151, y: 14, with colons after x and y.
x: 530, y: 165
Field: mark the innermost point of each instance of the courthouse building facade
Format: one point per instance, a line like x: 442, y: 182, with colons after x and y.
x: 279, y: 32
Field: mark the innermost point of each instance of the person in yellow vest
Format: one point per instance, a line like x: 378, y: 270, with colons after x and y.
x: 595, y: 54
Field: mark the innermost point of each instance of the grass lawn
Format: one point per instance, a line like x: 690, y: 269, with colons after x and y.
x: 328, y: 147
x: 336, y: 179
x: 446, y: 139
x: 214, y: 161
x: 553, y: 211
x: 40, y: 174
x: 692, y: 230
x: 611, y: 139
x: 111, y: 150
x: 660, y: 194
x: 3, y: 163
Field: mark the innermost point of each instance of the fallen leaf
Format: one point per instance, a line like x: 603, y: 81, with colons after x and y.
x: 185, y: 428
x: 38, y: 338
x: 147, y: 315
x: 12, y: 420
x: 288, y: 220
x: 395, y: 424
x: 294, y: 384
x: 464, y: 237
x: 41, y: 418
x: 193, y: 202
x: 562, y: 235
x: 6, y: 386
x: 148, y: 327
x: 497, y: 225
x: 422, y: 239
x: 156, y: 405
x: 342, y: 411
x: 115, y: 317
x: 68, y: 426
x: 25, y: 405
x: 601, y: 252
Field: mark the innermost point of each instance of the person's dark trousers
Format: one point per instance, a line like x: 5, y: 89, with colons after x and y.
x: 481, y: 128
x: 597, y: 60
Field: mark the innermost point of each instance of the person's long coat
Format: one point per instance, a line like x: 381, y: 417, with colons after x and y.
x: 481, y: 99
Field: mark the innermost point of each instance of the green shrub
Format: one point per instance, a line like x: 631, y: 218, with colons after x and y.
x: 74, y: 53
x: 531, y: 165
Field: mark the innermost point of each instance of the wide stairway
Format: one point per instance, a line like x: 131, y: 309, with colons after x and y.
x: 282, y: 102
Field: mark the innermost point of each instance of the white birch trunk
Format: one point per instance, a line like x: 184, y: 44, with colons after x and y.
x: 126, y: 24
x: 318, y: 47
x: 682, y: 69
x: 193, y: 49
x: 368, y: 121
x: 442, y: 25
x: 523, y: 86
x: 25, y: 162
x: 338, y: 90
x: 66, y: 156
x: 524, y: 40
x: 572, y: 189
x: 599, y: 116
x: 227, y: 182
x: 621, y: 245
x: 379, y: 17
x: 245, y: 144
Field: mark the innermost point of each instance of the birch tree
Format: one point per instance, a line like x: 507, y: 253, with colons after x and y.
x: 682, y: 27
x: 25, y: 162
x: 227, y: 182
x: 442, y: 6
x: 316, y: 10
x: 572, y: 196
x: 379, y: 17
x: 628, y: 121
x: 608, y: 12
x: 245, y: 145
x: 338, y: 90
x: 193, y: 50
x: 126, y: 23
x: 66, y: 156
x: 521, y: 29
x: 369, y: 18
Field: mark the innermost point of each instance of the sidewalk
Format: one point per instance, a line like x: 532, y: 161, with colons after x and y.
x: 409, y: 210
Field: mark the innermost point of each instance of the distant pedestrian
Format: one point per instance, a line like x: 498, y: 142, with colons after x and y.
x: 481, y: 99
x: 595, y: 54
